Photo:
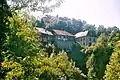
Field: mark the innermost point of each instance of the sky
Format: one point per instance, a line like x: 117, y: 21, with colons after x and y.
x: 98, y: 12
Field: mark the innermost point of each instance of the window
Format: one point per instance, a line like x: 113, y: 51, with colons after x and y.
x: 83, y: 43
x: 90, y: 44
x: 94, y: 39
x: 71, y: 38
x: 90, y: 39
x: 59, y: 37
x: 79, y: 39
x: 83, y: 39
x: 64, y: 36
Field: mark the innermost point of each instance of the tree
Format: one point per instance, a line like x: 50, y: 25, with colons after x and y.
x: 99, y: 58
x: 113, y: 68
x: 60, y: 25
x: 63, y: 23
x: 40, y: 23
x: 91, y: 65
x: 115, y: 37
x: 35, y: 5
x: 109, y: 31
x: 115, y: 29
x: 24, y: 58
x: 23, y: 40
x: 41, y: 67
x: 4, y: 23
x: 12, y: 69
x: 101, y: 30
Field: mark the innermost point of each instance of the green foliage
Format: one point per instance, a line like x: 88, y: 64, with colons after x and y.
x: 40, y: 67
x: 35, y: 5
x: 100, y: 53
x: 4, y: 23
x: 58, y: 67
x: 13, y: 70
x: 101, y: 30
x: 63, y: 23
x: 113, y: 68
x: 25, y: 60
x: 23, y: 40
x: 91, y: 67
x: 75, y: 25
x: 40, y: 23
x: 115, y: 37
x: 90, y: 28
x: 23, y: 57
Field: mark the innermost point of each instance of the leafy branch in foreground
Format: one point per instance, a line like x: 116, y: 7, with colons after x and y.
x: 23, y: 39
x: 44, y: 6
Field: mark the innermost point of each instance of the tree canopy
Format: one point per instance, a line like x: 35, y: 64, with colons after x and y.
x: 24, y: 57
x: 45, y: 6
x: 113, y: 68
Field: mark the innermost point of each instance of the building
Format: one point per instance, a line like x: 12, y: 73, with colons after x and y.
x: 64, y: 40
x: 45, y: 35
x: 85, y: 39
x: 60, y: 38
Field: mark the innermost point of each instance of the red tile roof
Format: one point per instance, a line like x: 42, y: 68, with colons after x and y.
x: 61, y: 32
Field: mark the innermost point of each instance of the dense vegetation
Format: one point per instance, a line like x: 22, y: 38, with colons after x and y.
x: 113, y: 68
x: 24, y: 57
x: 73, y: 25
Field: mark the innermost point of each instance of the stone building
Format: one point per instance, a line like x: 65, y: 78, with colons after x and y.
x: 85, y: 39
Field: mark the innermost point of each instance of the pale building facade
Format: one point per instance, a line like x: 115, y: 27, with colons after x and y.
x: 85, y: 39
x: 63, y: 39
x: 60, y: 38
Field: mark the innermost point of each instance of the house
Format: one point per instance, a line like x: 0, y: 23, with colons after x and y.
x: 85, y: 38
x: 45, y: 35
x: 64, y: 40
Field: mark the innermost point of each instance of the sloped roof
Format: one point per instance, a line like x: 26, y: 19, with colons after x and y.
x: 81, y: 34
x: 61, y: 32
x: 42, y: 30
